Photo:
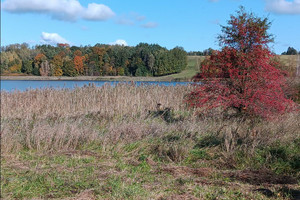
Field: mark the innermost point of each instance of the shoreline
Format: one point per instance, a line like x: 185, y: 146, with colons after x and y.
x: 89, y: 78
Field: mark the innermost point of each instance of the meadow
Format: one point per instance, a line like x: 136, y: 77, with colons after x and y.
x: 128, y: 142
x: 290, y: 62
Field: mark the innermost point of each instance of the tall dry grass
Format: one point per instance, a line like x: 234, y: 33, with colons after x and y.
x: 58, y: 119
x: 119, y: 100
x: 68, y: 119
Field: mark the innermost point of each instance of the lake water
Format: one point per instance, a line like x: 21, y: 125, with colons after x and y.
x: 22, y: 85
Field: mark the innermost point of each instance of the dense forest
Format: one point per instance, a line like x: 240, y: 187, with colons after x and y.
x: 99, y: 60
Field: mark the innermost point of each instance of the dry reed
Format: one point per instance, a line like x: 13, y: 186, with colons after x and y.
x: 122, y: 99
x: 67, y: 119
x: 56, y: 119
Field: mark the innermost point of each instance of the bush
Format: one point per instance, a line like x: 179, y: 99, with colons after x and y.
x: 243, y: 76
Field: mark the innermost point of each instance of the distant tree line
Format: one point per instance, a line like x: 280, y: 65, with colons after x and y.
x: 206, y: 52
x: 99, y: 60
x: 290, y: 51
x: 209, y: 51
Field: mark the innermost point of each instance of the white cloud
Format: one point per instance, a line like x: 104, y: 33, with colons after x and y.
x: 125, y: 21
x: 130, y: 19
x: 140, y: 18
x: 97, y: 12
x: 283, y: 6
x: 137, y: 16
x: 150, y: 25
x: 68, y: 10
x: 52, y: 38
x: 119, y: 42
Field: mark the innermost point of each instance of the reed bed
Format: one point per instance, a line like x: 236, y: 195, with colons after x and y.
x: 54, y: 120
x: 62, y: 119
x: 118, y: 100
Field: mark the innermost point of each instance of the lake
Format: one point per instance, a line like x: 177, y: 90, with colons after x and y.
x: 22, y: 85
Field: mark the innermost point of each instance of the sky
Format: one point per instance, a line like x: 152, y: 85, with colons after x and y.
x: 191, y: 24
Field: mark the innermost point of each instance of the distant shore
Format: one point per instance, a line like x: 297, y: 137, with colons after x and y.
x: 89, y: 78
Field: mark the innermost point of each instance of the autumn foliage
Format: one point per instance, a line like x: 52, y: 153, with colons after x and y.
x: 39, y: 58
x: 78, y: 62
x: 244, y: 76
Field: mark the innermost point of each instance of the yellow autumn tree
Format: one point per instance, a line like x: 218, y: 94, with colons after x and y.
x: 57, y: 63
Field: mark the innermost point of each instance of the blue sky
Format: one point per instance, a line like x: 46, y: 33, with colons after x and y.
x: 191, y: 24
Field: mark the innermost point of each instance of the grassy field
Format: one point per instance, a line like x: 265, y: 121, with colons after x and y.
x: 289, y: 60
x: 187, y: 74
x: 290, y: 63
x: 128, y: 142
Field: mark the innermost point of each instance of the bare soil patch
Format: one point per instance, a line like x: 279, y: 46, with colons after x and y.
x: 257, y: 177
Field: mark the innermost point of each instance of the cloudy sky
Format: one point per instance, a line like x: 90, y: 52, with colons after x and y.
x: 191, y: 24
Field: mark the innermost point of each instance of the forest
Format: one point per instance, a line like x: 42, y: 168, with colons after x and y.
x: 99, y: 60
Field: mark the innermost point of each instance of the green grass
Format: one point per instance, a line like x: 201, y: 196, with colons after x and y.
x: 191, y: 70
x: 47, y: 176
x: 135, y: 171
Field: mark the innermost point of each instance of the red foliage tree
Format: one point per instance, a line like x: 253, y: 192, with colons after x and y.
x: 63, y: 45
x: 244, y: 75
